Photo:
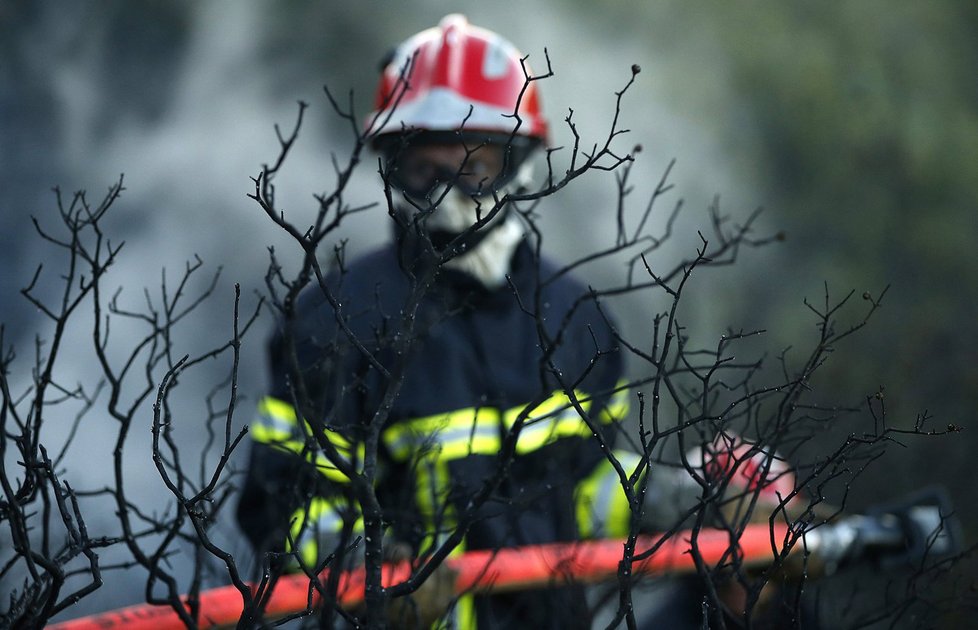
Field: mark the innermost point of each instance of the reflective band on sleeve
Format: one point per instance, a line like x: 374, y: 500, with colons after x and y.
x: 431, y: 489
x: 461, y: 614
x: 479, y: 430
x: 452, y: 435
x: 321, y: 525
x: 617, y: 407
x: 275, y: 421
x: 277, y: 426
x: 602, y: 508
x: 554, y: 418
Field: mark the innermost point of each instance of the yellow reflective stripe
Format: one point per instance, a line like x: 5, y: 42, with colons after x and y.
x: 471, y: 431
x: 462, y: 613
x: 559, y: 405
x: 431, y: 479
x: 477, y: 430
x: 465, y: 612
x: 278, y: 417
x: 555, y: 403
x: 535, y: 436
x: 278, y: 409
x: 602, y: 508
x: 327, y: 469
x: 617, y: 407
x: 267, y: 435
x: 552, y: 419
x: 310, y: 526
x: 276, y: 425
x: 275, y: 421
x: 317, y: 458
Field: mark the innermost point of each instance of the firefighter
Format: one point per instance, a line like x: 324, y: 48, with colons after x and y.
x: 453, y: 338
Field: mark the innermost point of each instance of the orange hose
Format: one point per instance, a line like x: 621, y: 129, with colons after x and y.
x: 482, y: 571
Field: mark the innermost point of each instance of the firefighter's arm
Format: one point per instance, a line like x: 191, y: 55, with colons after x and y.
x: 751, y: 483
x: 325, y: 518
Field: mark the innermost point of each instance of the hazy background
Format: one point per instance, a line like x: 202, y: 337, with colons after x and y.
x: 855, y: 125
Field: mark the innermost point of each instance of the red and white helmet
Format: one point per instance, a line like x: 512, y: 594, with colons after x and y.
x: 462, y: 77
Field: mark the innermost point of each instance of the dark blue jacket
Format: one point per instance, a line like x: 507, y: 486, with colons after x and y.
x: 448, y: 369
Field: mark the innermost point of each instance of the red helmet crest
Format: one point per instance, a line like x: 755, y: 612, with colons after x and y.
x: 461, y: 77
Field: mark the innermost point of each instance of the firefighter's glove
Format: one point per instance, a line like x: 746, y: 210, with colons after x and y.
x: 426, y: 605
x: 755, y: 479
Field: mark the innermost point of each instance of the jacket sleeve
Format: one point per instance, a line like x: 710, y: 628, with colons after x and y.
x: 601, y: 505
x: 601, y: 508
x: 304, y: 441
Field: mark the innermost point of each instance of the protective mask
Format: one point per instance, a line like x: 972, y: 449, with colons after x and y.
x: 488, y: 260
